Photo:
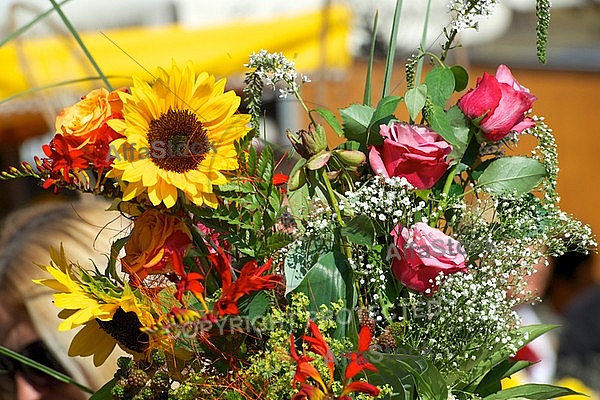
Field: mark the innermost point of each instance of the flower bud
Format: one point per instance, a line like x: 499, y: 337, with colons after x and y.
x: 351, y: 158
x: 308, y: 143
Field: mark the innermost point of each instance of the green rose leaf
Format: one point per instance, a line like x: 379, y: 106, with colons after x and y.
x: 517, y: 174
x: 385, y: 108
x: 415, y: 100
x: 331, y: 120
x: 460, y: 130
x: 532, y: 391
x: 439, y: 122
x: 440, y: 85
x: 360, y: 230
x: 357, y: 119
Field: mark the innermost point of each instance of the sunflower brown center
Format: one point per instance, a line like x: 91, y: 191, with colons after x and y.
x: 178, y: 141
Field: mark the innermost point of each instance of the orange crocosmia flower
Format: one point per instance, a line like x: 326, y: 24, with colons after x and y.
x: 251, y: 280
x: 191, y: 282
x: 157, y: 244
x: 62, y: 160
x: 358, y: 360
x: 317, y: 345
x: 359, y: 387
x: 310, y: 393
x: 304, y: 369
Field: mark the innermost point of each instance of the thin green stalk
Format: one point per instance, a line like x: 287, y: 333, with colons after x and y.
x: 391, y: 53
x: 423, y: 43
x: 55, y: 374
x: 303, y: 104
x: 54, y: 85
x: 369, y: 78
x: 77, y: 38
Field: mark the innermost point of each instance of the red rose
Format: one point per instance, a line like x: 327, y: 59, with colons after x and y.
x: 501, y: 101
x: 421, y: 253
x: 414, y: 152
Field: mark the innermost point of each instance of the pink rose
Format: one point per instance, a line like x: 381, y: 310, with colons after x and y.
x: 421, y: 253
x: 501, y: 101
x: 414, y: 152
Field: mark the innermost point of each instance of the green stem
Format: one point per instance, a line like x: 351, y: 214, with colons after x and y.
x: 336, y: 208
x: 77, y: 38
x: 331, y: 194
x: 303, y: 104
x: 423, y: 41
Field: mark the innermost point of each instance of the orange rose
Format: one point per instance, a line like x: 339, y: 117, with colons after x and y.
x: 82, y: 119
x: 157, y: 244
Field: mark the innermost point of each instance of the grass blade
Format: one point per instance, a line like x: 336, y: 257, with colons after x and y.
x: 369, y: 77
x: 55, y: 374
x: 77, y: 38
x: 423, y: 43
x: 391, y: 53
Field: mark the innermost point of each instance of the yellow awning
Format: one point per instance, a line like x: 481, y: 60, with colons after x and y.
x: 221, y: 51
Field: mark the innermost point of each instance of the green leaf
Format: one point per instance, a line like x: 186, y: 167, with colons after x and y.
x: 278, y: 240
x: 439, y: 122
x: 461, y: 132
x: 264, y: 168
x: 440, y: 85
x: 357, y: 119
x: 331, y: 120
x: 328, y: 281
x: 415, y: 100
x: 301, y: 257
x: 461, y: 77
x: 252, y: 158
x: 407, y: 373
x: 517, y: 174
x: 360, y: 230
x: 255, y: 305
x: 105, y: 392
x: 532, y: 391
x: 386, y: 107
x: 491, y: 382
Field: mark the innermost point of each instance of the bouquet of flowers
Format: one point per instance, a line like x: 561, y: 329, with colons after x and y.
x: 389, y: 266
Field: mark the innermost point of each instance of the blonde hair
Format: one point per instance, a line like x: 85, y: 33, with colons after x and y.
x: 86, y: 230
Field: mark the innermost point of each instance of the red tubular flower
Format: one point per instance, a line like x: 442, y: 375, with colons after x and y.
x: 64, y: 159
x: 191, y: 282
x: 251, y: 280
x: 303, y: 367
x: 309, y: 392
x: 358, y: 360
x: 317, y: 344
x: 359, y: 387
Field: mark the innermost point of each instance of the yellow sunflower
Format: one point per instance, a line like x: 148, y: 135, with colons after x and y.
x: 94, y: 306
x: 179, y: 135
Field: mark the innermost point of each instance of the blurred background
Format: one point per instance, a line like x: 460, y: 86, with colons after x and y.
x: 328, y: 40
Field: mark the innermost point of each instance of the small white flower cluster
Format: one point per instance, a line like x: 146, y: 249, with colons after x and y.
x: 273, y: 68
x: 468, y: 308
x: 466, y: 13
x: 388, y: 201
